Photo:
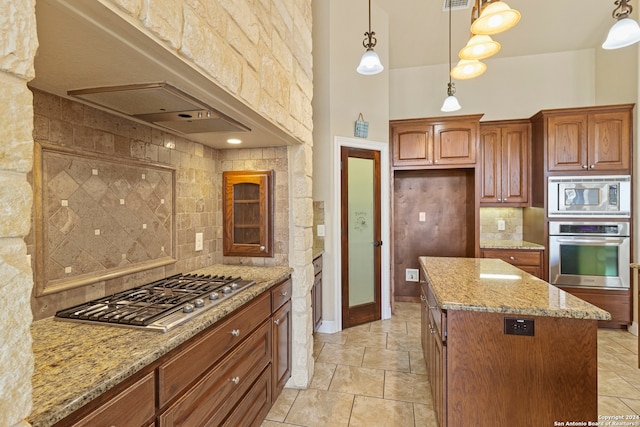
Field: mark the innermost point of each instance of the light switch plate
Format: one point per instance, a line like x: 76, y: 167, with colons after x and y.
x: 320, y: 230
x: 501, y: 225
x: 422, y: 216
x: 199, y: 241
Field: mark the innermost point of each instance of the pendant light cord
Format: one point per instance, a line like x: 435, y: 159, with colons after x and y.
x: 449, y: 89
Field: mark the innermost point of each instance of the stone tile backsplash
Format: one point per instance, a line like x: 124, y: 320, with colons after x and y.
x: 489, y: 218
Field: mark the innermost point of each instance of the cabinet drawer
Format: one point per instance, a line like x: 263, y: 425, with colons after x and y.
x: 210, y: 400
x: 515, y: 257
x: 317, y: 265
x: 255, y: 405
x: 176, y: 374
x: 133, y: 407
x: 437, y: 315
x: 280, y: 294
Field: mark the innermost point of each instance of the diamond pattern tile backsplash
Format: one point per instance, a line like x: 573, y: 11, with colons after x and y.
x: 102, y: 217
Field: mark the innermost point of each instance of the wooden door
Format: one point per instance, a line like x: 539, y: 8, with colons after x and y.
x: 412, y: 144
x: 515, y: 164
x: 490, y: 165
x: 567, y: 143
x: 361, y: 231
x: 455, y: 143
x: 609, y: 141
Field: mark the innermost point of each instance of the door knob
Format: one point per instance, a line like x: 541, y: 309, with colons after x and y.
x: 377, y: 243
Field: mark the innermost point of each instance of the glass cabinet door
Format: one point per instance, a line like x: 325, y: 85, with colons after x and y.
x: 248, y: 213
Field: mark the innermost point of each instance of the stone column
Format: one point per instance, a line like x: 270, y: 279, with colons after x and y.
x: 17, y: 51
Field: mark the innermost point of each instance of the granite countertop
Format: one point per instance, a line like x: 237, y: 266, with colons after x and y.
x: 76, y: 362
x: 510, y: 244
x: 475, y: 284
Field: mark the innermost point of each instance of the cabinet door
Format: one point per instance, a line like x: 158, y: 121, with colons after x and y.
x: 281, y: 360
x: 515, y: 164
x: 316, y: 300
x: 412, y: 144
x: 490, y: 165
x: 248, y: 213
x: 609, y: 141
x: 455, y: 143
x: 567, y: 143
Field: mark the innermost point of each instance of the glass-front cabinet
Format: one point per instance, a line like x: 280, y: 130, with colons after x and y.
x: 248, y: 213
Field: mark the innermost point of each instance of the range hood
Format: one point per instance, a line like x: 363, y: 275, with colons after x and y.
x: 162, y: 105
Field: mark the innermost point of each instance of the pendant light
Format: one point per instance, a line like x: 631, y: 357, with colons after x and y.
x: 370, y: 62
x: 625, y: 31
x: 450, y: 102
x: 468, y: 69
x: 495, y: 18
x: 479, y: 46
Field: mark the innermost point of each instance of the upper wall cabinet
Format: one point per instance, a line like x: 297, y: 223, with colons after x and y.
x: 504, y: 163
x: 248, y: 213
x: 435, y: 142
x: 594, y: 139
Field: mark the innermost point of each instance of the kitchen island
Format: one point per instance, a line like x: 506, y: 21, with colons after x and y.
x: 503, y: 347
x: 78, y: 364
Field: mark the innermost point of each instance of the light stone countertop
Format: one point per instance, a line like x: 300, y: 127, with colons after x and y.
x: 510, y: 244
x: 475, y: 284
x: 77, y: 362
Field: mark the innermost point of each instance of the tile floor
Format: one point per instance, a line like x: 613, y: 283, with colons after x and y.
x: 378, y: 368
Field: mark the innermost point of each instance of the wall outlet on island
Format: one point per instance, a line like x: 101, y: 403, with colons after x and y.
x: 411, y: 274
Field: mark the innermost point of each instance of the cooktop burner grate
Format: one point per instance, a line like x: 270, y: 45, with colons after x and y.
x: 159, y: 305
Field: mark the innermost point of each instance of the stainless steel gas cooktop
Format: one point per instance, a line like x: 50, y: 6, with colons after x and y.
x: 160, y: 305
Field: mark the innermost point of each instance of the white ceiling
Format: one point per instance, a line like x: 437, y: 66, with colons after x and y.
x: 418, y: 29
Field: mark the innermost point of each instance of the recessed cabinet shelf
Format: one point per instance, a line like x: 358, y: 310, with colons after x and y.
x: 248, y: 213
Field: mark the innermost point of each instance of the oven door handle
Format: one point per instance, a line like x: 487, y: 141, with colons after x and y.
x: 607, y: 241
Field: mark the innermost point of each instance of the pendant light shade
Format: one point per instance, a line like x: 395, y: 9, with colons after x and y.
x: 468, y: 69
x: 450, y: 102
x: 496, y: 17
x: 625, y: 31
x: 370, y: 62
x: 479, y: 47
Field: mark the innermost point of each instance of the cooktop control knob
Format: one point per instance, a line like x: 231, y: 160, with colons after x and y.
x: 199, y: 303
x: 234, y: 286
x: 226, y: 290
x: 214, y: 296
x: 188, y: 308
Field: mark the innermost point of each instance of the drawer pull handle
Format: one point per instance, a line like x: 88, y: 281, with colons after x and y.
x: 431, y: 329
x: 235, y: 380
x: 422, y: 297
x: 512, y: 258
x: 235, y: 332
x: 284, y: 294
x: 277, y: 321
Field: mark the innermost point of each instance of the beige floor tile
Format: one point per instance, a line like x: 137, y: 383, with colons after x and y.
x: 404, y: 342
x: 365, y: 327
x: 408, y: 311
x: 282, y: 405
x: 414, y: 327
x: 633, y: 404
x: 269, y: 423
x: 424, y: 415
x: 407, y: 387
x: 389, y: 325
x: 367, y: 339
x: 322, y: 375
x: 317, y: 348
x: 318, y: 408
x: 612, y: 406
x: 416, y: 359
x: 372, y: 412
x: 386, y: 359
x: 356, y: 380
x: 611, y: 384
x: 341, y: 355
x: 335, y: 338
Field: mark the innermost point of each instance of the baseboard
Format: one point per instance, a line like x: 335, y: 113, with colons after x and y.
x: 328, y: 327
x: 633, y: 328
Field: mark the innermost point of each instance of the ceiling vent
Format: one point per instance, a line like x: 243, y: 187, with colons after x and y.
x: 162, y: 105
x: 456, y: 4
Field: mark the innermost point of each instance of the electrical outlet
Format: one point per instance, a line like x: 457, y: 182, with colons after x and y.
x: 411, y: 275
x: 422, y: 217
x: 199, y: 241
x: 501, y: 225
x: 320, y: 230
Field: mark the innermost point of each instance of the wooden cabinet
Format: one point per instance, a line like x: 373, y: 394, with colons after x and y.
x: 434, y: 347
x: 531, y: 261
x: 131, y: 406
x: 281, y: 358
x: 588, y: 139
x: 617, y: 302
x: 435, y: 142
x: 316, y: 293
x: 248, y: 213
x: 504, y: 163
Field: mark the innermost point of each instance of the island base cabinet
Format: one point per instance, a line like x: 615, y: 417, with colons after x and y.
x: 496, y: 379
